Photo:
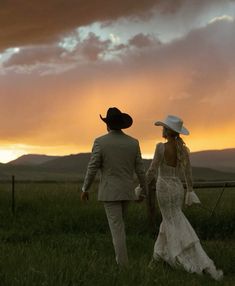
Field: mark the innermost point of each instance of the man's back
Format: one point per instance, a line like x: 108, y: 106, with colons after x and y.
x: 118, y: 153
x: 118, y: 157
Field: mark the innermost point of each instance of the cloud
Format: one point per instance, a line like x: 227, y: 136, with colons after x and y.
x: 141, y: 41
x: 34, y: 54
x: 33, y: 22
x: 89, y: 49
x: 222, y: 18
x: 93, y: 47
x: 192, y: 77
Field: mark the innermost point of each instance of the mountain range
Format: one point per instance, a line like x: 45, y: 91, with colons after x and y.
x: 207, y: 165
x: 222, y: 160
x: 32, y: 159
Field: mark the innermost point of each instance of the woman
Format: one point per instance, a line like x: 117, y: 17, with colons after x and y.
x: 177, y: 242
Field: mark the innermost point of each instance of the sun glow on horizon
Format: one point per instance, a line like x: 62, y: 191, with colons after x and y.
x: 11, y: 152
x: 7, y: 155
x: 200, y: 139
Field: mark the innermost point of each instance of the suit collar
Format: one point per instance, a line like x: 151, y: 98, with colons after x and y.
x: 116, y: 132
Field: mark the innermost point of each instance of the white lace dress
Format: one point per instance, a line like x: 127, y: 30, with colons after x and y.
x: 177, y: 242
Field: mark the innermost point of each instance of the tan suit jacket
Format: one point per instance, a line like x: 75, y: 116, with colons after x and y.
x: 118, y: 158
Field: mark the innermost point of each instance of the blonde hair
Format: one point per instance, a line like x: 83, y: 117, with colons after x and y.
x: 181, y: 148
x: 182, y: 151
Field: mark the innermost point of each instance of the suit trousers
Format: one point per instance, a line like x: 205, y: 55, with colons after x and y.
x: 115, y: 212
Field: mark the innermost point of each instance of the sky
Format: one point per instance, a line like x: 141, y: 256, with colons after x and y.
x: 63, y: 63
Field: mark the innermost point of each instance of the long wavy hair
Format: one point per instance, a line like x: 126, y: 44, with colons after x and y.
x: 181, y: 148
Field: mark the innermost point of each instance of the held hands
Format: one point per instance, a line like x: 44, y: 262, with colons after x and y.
x: 138, y: 194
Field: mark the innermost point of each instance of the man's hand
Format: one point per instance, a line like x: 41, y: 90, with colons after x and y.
x: 84, y: 196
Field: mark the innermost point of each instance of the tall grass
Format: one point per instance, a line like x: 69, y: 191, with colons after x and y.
x: 54, y: 239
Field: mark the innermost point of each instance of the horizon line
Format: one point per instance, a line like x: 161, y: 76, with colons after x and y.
x: 144, y: 155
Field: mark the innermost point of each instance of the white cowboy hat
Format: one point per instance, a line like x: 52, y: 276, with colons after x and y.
x: 174, y: 123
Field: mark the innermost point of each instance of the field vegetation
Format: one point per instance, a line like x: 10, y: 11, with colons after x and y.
x: 53, y: 239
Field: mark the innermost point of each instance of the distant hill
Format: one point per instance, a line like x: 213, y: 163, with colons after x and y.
x: 222, y: 160
x: 77, y: 163
x: 32, y: 159
x: 207, y: 165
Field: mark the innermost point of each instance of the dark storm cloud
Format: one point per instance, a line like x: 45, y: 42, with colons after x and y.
x: 25, y: 22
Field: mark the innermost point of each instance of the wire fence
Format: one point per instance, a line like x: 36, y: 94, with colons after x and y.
x: 151, y: 200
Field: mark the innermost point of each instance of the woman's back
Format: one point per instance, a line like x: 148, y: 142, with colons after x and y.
x: 170, y: 154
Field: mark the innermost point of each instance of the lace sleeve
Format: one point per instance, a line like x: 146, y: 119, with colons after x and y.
x: 152, y: 171
x: 190, y: 197
x: 188, y: 174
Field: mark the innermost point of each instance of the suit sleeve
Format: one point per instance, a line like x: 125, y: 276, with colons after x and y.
x: 93, y: 166
x: 140, y: 171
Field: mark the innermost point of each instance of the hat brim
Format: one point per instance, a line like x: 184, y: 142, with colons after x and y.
x: 183, y: 130
x: 121, y: 121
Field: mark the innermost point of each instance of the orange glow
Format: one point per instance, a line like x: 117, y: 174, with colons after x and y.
x: 197, y: 141
x: 70, y: 123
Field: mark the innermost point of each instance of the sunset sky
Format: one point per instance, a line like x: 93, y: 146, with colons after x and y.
x: 64, y: 62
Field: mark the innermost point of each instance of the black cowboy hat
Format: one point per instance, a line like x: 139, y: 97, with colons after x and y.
x: 115, y: 119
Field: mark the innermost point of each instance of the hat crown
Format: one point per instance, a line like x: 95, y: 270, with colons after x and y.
x: 116, y: 119
x: 174, y: 122
x: 113, y: 112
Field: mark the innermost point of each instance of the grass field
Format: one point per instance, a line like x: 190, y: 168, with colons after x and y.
x: 54, y: 239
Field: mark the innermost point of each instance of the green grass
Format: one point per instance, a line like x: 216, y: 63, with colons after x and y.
x: 54, y: 239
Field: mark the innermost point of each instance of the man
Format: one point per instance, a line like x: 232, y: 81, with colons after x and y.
x: 118, y: 157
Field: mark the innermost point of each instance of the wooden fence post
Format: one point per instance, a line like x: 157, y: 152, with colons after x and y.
x: 13, y: 195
